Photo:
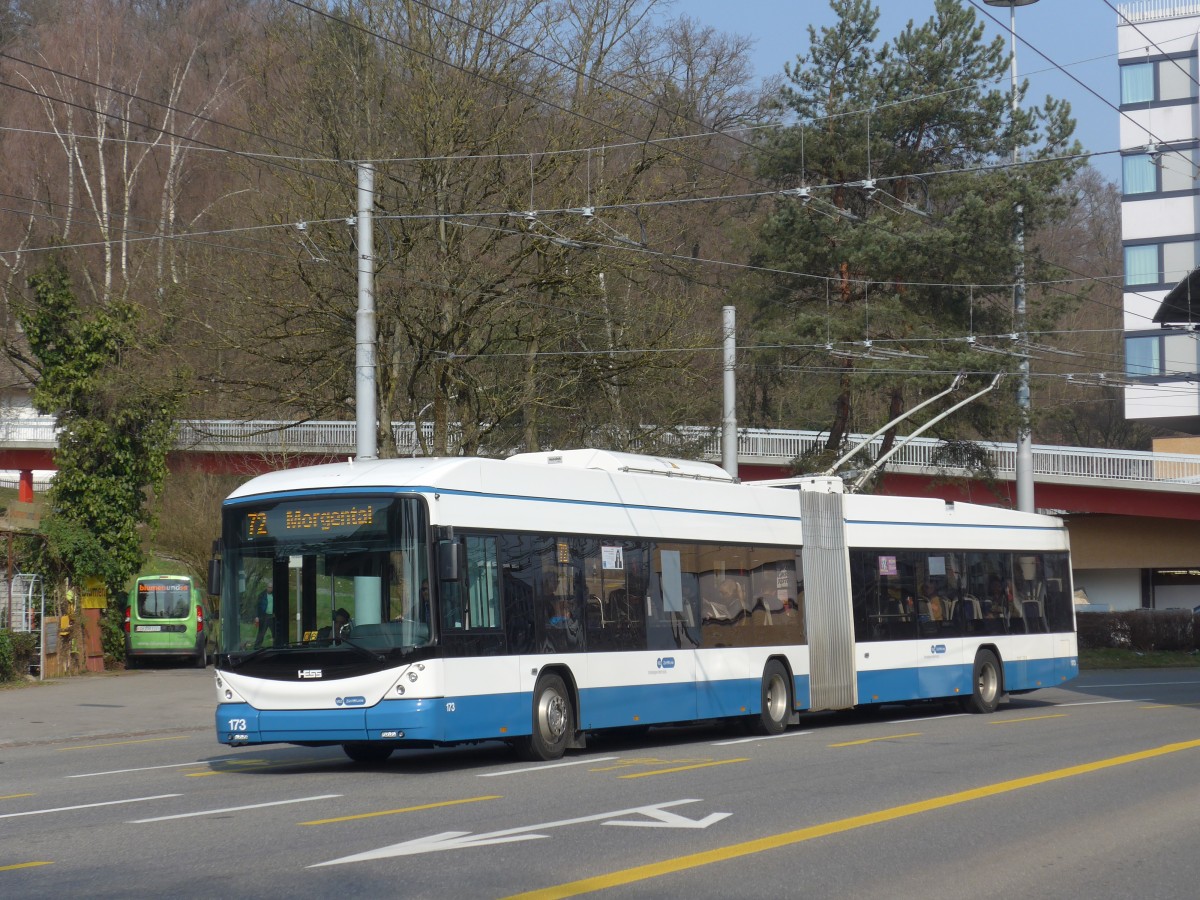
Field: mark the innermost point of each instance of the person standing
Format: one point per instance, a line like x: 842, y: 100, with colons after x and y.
x: 264, y: 617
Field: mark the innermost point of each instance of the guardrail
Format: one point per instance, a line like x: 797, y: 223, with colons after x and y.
x: 755, y: 445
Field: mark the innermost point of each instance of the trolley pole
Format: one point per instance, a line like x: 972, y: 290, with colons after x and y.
x: 364, y: 322
x: 729, y: 455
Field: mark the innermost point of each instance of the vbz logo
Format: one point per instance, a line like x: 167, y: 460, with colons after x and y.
x: 666, y: 662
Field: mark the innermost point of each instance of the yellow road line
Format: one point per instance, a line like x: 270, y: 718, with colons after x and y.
x: 890, y: 737
x: 788, y: 838
x: 14, y: 796
x: 630, y: 762
x: 28, y: 865
x: 393, y: 812
x: 1168, y: 705
x: 119, y: 743
x: 1028, y: 719
x: 704, y: 765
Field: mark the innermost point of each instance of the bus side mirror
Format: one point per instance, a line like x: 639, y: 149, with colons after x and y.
x: 448, y: 560
x: 214, y: 576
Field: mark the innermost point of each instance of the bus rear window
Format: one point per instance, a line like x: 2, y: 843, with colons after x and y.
x: 163, y: 599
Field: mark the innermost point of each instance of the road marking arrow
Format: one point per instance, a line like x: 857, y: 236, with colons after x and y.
x: 664, y: 819
x: 459, y: 840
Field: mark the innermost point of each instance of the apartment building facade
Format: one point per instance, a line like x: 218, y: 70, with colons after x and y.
x: 1158, y: 42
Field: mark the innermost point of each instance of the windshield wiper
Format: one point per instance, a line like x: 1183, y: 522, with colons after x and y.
x: 378, y: 657
x: 260, y: 651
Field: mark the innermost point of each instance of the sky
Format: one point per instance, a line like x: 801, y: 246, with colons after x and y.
x: 1079, y: 36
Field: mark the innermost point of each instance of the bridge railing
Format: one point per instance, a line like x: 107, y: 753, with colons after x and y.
x: 313, y: 437
x: 761, y: 445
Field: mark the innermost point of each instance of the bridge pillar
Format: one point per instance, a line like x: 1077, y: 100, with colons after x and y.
x: 25, y: 486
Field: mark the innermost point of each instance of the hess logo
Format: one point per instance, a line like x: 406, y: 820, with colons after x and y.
x: 309, y: 673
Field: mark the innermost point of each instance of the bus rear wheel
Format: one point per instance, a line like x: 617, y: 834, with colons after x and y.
x: 368, y: 753
x: 985, y: 684
x: 776, y: 700
x: 553, y: 721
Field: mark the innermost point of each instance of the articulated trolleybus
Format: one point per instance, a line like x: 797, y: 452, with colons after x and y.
x: 417, y: 602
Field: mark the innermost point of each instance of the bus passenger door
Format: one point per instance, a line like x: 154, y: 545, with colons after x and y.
x: 672, y: 634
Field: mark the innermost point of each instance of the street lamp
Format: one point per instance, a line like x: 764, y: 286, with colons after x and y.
x: 1024, y: 461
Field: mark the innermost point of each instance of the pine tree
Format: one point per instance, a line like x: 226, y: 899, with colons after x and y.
x: 900, y: 205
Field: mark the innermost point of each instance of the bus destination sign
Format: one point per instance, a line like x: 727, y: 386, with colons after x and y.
x: 316, y: 519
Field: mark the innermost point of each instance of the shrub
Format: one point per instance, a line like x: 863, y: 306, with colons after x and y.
x: 1137, y: 629
x: 112, y: 636
x: 17, y: 651
x: 7, y: 664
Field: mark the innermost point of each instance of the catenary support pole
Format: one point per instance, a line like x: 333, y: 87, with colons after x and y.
x: 1024, y: 460
x: 364, y: 322
x: 729, y: 454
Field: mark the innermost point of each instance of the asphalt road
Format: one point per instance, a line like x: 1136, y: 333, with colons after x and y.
x: 114, y: 786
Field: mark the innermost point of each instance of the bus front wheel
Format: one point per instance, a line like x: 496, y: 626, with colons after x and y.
x: 985, y: 684
x: 776, y: 700
x: 553, y: 720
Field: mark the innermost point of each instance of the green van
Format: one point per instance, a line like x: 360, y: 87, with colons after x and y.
x: 165, y: 617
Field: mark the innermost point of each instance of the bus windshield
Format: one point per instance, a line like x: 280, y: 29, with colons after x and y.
x: 326, y: 572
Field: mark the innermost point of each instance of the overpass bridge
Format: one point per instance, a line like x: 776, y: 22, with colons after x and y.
x: 1133, y: 517
x: 1066, y: 479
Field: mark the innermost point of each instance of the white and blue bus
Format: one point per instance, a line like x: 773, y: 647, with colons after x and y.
x: 534, y: 600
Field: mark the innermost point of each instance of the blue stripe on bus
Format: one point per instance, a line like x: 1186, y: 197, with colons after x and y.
x: 939, y: 682
x: 499, y: 716
x: 494, y: 715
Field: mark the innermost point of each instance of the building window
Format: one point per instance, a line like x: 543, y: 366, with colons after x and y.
x: 1179, y: 355
x: 1174, y: 170
x: 1167, y: 355
x: 1139, y: 175
x: 1171, y: 80
x: 1137, y: 83
x: 1179, y: 258
x: 1141, y: 265
x: 1142, y: 357
x: 1177, y: 170
x: 1176, y: 79
x: 1159, y: 265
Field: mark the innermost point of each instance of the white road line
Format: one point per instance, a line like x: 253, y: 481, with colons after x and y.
x: 1088, y: 687
x: 761, y: 737
x: 213, y: 812
x: 577, y: 762
x: 1100, y: 702
x: 199, y: 762
x: 38, y: 812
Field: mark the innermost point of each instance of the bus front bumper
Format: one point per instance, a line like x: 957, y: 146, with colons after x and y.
x: 240, y: 724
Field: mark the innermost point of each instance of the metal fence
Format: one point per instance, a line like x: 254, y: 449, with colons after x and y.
x: 755, y: 445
